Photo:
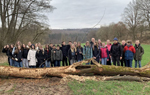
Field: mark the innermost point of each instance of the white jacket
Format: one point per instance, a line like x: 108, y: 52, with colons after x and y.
x: 32, y: 57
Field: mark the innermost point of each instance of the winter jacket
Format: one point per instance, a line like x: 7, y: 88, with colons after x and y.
x: 18, y: 56
x: 129, y: 52
x: 79, y: 56
x: 53, y: 54
x: 104, y: 53
x: 5, y: 50
x: 58, y: 55
x: 25, y: 53
x: 72, y: 55
x: 31, y: 57
x: 40, y: 55
x: 139, y: 52
x: 123, y: 51
x: 116, y: 50
x: 48, y: 55
x: 96, y: 52
x: 64, y: 49
x: 108, y: 47
x: 87, y: 52
x: 68, y: 48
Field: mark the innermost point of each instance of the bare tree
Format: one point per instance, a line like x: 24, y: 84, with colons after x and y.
x: 18, y: 15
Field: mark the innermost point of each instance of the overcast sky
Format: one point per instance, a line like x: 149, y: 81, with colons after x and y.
x: 85, y: 13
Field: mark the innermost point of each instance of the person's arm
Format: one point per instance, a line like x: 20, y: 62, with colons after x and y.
x: 98, y: 53
x: 91, y: 53
x: 133, y: 49
x: 107, y: 54
x: 28, y: 56
x: 61, y: 55
x: 84, y: 53
x: 121, y: 51
x: 142, y: 51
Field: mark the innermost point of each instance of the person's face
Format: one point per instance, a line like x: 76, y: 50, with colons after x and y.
x: 64, y: 43
x: 19, y: 47
x: 75, y: 43
x: 29, y: 44
x: 32, y: 47
x: 99, y: 41
x: 123, y: 42
x: 36, y: 45
x: 93, y: 40
x: 70, y: 43
x: 7, y: 46
x: 54, y: 47
x: 12, y: 46
x: 103, y: 44
x: 108, y: 42
x: 18, y: 43
x: 39, y: 44
x: 128, y: 44
x: 115, y: 42
x: 137, y: 43
x: 24, y: 46
x: 72, y: 46
x: 87, y: 44
x: 58, y: 48
x: 46, y: 46
x: 79, y: 44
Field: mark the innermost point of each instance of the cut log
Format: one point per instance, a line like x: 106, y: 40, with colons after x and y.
x: 74, y: 69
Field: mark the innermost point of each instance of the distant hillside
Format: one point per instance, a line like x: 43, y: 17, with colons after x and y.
x: 73, y: 31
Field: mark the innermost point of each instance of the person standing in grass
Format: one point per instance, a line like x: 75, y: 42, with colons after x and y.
x: 79, y: 52
x: 108, y: 47
x: 116, y: 52
x: 99, y: 43
x: 25, y: 51
x: 92, y: 42
x: 32, y: 57
x: 129, y: 52
x: 104, y: 54
x: 139, y: 53
x: 123, y: 62
x: 68, y: 48
x: 65, y: 52
x: 41, y: 57
x: 96, y: 52
x: 10, y: 55
x: 53, y: 51
x: 72, y: 54
x: 58, y: 56
x: 48, y: 56
x: 18, y: 57
x: 6, y: 51
x: 87, y: 51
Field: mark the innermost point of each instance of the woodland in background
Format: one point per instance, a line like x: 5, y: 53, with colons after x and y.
x: 24, y: 20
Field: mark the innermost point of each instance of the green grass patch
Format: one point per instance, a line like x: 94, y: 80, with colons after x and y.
x: 4, y: 64
x: 109, y: 88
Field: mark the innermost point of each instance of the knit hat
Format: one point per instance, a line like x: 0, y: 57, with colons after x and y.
x: 115, y: 39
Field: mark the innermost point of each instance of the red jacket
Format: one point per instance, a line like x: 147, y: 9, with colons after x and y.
x: 104, y: 53
x: 129, y: 52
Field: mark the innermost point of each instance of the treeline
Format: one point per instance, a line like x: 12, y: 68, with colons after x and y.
x: 135, y: 24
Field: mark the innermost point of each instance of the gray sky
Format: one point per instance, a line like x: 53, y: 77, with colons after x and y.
x: 85, y: 13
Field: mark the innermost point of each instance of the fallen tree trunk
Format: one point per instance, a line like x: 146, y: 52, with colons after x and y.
x: 75, y: 69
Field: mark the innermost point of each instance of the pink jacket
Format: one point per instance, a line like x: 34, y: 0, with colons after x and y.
x: 108, y: 47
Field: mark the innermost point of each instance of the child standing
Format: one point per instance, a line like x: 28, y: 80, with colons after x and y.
x: 79, y: 52
x: 87, y: 51
x: 58, y: 56
x: 96, y: 52
x: 72, y: 54
x: 104, y: 54
x: 129, y: 51
x: 18, y: 57
x: 41, y: 56
x: 139, y: 53
x: 25, y: 51
x: 32, y: 57
x: 109, y: 47
x: 48, y: 56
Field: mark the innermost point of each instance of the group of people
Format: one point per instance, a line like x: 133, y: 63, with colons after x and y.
x: 35, y: 56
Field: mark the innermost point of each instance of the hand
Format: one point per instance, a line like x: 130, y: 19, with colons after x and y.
x: 80, y: 52
x: 100, y: 59
x: 107, y: 59
x: 120, y: 58
x: 94, y: 57
x: 4, y: 46
x: 76, y: 53
x: 54, y: 51
x: 110, y: 56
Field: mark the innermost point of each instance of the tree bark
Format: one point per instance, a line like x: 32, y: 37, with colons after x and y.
x: 75, y: 69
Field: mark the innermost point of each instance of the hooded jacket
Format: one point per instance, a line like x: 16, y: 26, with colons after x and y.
x: 116, y: 50
x: 129, y: 52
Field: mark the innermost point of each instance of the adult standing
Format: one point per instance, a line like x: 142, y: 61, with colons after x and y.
x: 64, y: 50
x: 123, y: 62
x: 139, y: 53
x: 109, y: 48
x: 116, y: 52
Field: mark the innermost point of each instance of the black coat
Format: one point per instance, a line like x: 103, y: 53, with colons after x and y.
x: 25, y: 53
x: 18, y: 56
x: 79, y: 56
x: 40, y: 56
x: 70, y: 55
x: 64, y: 50
x: 96, y: 52
x: 116, y: 50
x: 5, y: 50
x: 91, y: 43
x: 68, y: 48
x: 48, y: 55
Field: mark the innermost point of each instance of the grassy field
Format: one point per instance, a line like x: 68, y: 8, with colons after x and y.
x: 112, y: 87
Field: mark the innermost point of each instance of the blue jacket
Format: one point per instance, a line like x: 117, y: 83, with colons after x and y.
x: 87, y: 52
